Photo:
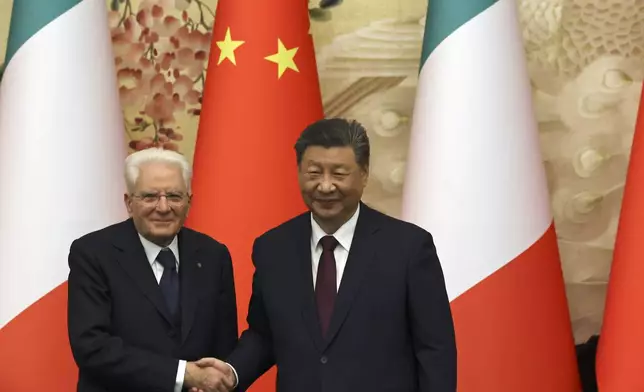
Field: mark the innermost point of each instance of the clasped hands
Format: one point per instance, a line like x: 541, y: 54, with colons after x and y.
x: 209, y: 375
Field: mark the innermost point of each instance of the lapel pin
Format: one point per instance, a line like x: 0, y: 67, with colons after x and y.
x: 198, y: 265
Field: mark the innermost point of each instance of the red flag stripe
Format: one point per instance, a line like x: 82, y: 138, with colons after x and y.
x: 35, y: 353
x: 621, y: 341
x: 513, y: 307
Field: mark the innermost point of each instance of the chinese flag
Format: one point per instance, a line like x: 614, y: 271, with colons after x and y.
x: 261, y: 91
x: 621, y: 342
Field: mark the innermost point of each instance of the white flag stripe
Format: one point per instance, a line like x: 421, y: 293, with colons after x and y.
x: 61, y: 152
x: 475, y: 178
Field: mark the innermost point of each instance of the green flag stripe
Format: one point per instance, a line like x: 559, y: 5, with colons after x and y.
x: 444, y: 17
x: 29, y: 16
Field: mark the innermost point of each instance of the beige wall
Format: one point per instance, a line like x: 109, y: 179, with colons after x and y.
x: 5, y: 15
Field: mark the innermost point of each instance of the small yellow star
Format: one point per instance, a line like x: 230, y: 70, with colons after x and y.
x: 227, y: 48
x: 283, y: 58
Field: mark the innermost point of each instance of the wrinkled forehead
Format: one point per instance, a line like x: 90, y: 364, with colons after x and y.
x: 160, y: 176
x: 329, y: 156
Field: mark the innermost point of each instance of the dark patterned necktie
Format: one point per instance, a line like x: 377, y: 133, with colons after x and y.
x: 326, y: 283
x: 169, y: 283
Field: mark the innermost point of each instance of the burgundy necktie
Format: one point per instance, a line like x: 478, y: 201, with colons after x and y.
x: 326, y: 283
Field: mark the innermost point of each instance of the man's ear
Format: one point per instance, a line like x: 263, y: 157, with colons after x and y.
x: 189, y: 204
x: 364, y: 173
x: 127, y: 200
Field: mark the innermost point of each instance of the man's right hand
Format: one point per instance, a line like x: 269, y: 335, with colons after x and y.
x: 209, y: 375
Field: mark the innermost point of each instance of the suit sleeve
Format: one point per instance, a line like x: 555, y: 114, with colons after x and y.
x: 431, y: 322
x: 253, y: 355
x: 227, y: 329
x: 96, y: 351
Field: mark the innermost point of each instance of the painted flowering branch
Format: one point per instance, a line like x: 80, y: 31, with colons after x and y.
x: 160, y: 55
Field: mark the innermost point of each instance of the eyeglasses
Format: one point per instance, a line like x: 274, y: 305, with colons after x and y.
x: 152, y: 199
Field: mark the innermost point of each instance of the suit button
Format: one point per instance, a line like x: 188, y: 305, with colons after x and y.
x: 324, y: 360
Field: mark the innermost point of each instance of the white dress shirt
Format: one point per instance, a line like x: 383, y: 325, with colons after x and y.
x: 344, y: 236
x: 152, y: 251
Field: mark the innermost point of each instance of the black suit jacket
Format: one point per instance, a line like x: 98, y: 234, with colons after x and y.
x: 391, y: 330
x: 120, y: 331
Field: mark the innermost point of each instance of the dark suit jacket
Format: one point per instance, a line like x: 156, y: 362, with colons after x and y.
x: 120, y: 331
x: 391, y: 330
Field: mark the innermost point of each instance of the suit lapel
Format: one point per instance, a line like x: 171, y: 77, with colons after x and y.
x: 304, y: 268
x: 135, y: 263
x: 361, y: 255
x: 190, y: 275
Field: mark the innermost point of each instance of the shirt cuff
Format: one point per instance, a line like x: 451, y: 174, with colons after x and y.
x: 181, y: 373
x: 235, y: 373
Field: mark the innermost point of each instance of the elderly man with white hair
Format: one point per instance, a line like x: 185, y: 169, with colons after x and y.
x: 147, y: 296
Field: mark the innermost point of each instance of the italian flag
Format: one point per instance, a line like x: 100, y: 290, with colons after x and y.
x: 476, y: 181
x: 61, y: 154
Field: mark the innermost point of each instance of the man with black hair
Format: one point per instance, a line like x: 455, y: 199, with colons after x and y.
x: 345, y: 298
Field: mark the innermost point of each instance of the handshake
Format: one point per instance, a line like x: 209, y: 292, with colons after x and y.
x: 209, y: 375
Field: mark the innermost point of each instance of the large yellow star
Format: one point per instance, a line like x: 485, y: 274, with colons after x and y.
x: 284, y: 58
x: 227, y: 48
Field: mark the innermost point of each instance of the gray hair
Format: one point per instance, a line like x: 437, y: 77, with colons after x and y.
x: 135, y: 160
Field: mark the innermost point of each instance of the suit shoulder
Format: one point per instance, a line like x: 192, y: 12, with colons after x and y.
x: 101, y: 235
x: 203, y: 238
x: 285, y: 229
x: 199, y: 236
x: 404, y: 228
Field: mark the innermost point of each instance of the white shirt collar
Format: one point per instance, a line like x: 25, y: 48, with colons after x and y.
x: 152, y: 250
x: 344, y: 234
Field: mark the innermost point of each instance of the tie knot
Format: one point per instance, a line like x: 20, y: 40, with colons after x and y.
x: 167, y: 260
x: 328, y: 243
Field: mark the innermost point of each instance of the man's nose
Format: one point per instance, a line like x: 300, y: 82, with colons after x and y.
x: 162, y: 204
x: 326, y: 185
